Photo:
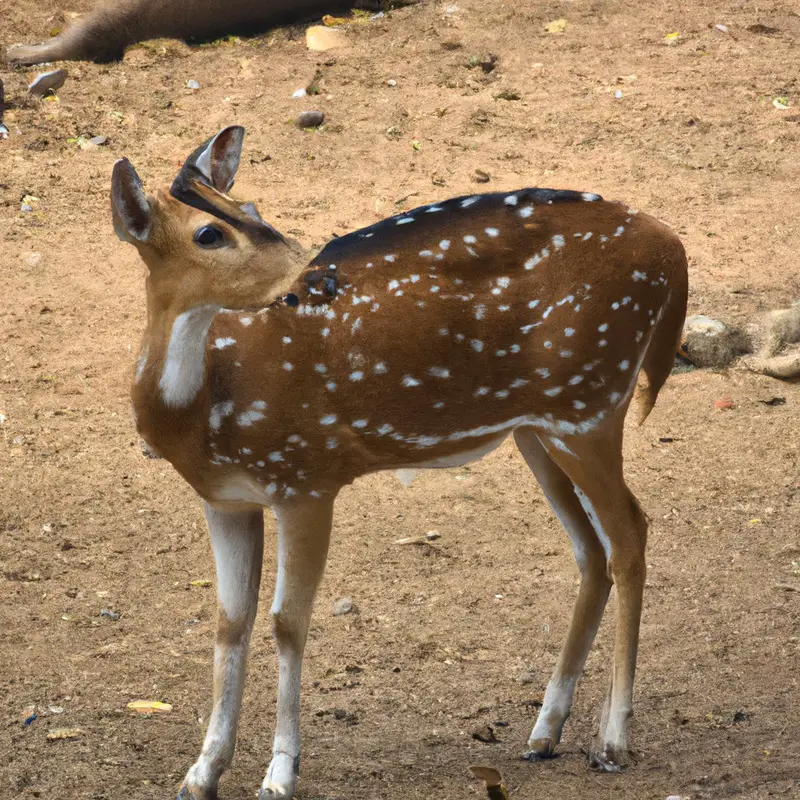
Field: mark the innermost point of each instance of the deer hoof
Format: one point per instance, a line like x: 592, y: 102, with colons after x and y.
x: 190, y: 792
x: 540, y: 749
x: 608, y: 759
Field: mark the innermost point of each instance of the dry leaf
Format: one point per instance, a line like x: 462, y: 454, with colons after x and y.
x: 149, y: 707
x: 203, y: 584
x: 556, y: 26
x: 493, y: 781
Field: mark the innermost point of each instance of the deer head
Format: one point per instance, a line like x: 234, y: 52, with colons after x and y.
x: 200, y: 245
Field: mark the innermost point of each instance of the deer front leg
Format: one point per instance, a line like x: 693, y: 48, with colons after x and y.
x: 237, y: 539
x: 303, y: 537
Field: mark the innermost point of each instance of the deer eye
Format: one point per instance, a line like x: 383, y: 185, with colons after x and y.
x: 209, y: 237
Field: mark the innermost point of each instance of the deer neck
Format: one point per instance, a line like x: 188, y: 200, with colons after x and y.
x: 173, y: 352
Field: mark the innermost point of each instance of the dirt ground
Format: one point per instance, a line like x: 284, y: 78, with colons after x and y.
x: 442, y: 635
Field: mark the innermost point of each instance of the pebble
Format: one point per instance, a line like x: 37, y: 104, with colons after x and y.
x: 700, y: 323
x: 391, y: 82
x: 33, y: 259
x: 527, y: 677
x: 310, y: 119
x: 321, y: 39
x: 344, y: 605
x: 192, y: 84
x: 46, y: 82
x: 105, y: 612
x: 299, y: 93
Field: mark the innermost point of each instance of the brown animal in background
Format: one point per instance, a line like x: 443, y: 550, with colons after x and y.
x: 104, y: 34
x: 422, y: 341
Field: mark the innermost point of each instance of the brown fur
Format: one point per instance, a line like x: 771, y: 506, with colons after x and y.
x: 106, y: 31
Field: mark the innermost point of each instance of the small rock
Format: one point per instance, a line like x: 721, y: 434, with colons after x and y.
x: 107, y: 612
x: 527, y: 677
x: 618, y: 94
x: 46, y: 82
x: 3, y: 131
x: 700, y: 323
x: 707, y: 342
x: 321, y: 39
x: 33, y: 259
x: 26, y: 208
x: 481, y: 177
x: 299, y: 93
x: 98, y: 141
x: 310, y: 119
x: 192, y: 84
x: 344, y: 605
x: 724, y: 404
x: 63, y: 733
x: 391, y: 82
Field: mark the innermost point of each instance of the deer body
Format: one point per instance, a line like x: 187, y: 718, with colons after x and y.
x: 419, y: 358
x: 105, y: 32
x: 270, y: 379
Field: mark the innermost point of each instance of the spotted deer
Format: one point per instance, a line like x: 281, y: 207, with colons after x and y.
x: 271, y: 377
x: 105, y: 32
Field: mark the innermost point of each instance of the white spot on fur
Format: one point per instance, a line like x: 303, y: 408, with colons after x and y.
x: 492, y: 232
x: 328, y: 419
x: 219, y: 412
x: 409, y: 382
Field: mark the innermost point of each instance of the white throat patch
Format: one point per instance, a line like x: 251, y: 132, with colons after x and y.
x: 184, y: 366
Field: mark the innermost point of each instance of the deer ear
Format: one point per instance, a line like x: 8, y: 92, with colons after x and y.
x: 219, y: 159
x: 129, y: 206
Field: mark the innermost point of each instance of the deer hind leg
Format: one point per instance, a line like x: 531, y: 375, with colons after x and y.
x: 303, y: 537
x: 594, y: 465
x: 237, y: 539
x: 592, y: 596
